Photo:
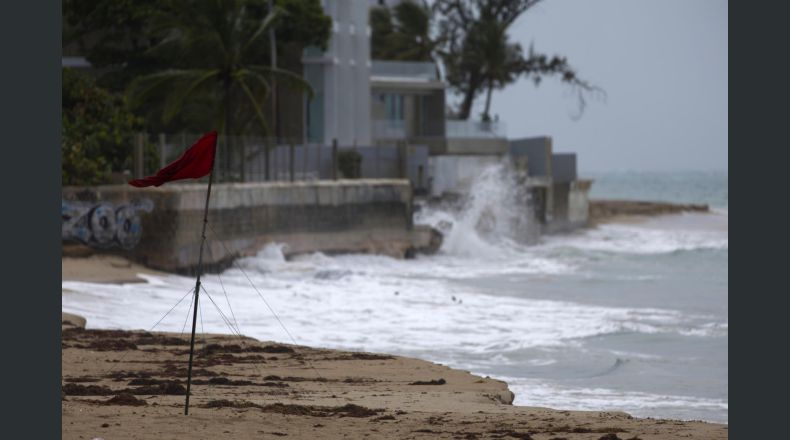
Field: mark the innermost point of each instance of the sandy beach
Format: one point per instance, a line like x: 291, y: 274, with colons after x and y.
x: 131, y: 384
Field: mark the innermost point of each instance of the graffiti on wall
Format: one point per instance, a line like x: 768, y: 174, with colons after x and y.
x: 102, y: 224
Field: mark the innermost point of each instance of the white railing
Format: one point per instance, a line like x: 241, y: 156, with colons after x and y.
x: 404, y: 69
x: 475, y: 129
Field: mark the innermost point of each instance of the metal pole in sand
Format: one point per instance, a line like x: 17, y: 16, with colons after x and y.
x: 197, y: 291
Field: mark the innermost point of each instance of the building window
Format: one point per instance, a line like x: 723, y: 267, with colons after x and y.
x: 394, y: 105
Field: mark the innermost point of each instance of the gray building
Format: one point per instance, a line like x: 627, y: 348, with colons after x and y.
x: 407, y: 102
x: 340, y: 78
x: 559, y: 198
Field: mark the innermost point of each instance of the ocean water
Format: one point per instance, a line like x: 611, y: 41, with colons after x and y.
x: 709, y: 187
x: 630, y: 317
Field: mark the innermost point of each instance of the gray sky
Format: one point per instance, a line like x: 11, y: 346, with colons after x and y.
x: 663, y: 64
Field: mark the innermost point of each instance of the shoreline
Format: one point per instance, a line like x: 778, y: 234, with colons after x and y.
x: 636, y: 211
x: 118, y: 383
x: 82, y: 263
x: 356, y: 394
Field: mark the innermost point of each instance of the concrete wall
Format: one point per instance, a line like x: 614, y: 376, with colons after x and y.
x: 454, y: 174
x: 563, y: 167
x: 482, y: 146
x: 372, y: 216
x: 571, y: 206
x: 539, y: 151
x: 579, y: 202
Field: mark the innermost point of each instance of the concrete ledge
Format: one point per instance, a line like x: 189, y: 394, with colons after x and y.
x: 485, y: 146
x: 361, y: 215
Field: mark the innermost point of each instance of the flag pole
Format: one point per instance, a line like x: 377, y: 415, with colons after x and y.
x: 197, y: 289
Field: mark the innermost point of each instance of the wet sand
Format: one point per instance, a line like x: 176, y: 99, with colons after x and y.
x: 131, y: 385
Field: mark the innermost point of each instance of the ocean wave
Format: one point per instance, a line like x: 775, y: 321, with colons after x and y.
x: 639, y: 239
x: 344, y: 305
x: 538, y: 392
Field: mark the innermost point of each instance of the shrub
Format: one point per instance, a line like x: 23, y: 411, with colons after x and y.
x: 350, y: 164
x: 97, y: 132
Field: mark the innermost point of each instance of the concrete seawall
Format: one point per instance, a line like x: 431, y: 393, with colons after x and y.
x: 370, y: 215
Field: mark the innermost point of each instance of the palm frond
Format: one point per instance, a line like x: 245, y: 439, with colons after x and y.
x: 175, y: 101
x: 267, y: 21
x: 291, y: 78
x: 143, y: 87
x: 255, y: 105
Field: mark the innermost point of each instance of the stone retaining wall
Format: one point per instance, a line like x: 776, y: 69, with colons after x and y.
x: 362, y: 215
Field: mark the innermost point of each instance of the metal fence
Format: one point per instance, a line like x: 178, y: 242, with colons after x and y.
x: 256, y: 159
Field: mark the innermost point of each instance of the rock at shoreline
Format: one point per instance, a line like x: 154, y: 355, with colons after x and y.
x: 604, y: 210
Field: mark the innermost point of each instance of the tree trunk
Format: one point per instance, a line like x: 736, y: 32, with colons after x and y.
x: 466, y: 105
x: 486, y: 116
x: 469, y: 98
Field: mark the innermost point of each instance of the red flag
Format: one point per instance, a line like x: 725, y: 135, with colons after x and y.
x: 195, y: 163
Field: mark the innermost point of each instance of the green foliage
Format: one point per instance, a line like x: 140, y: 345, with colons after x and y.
x: 98, y: 132
x: 115, y: 36
x: 479, y: 58
x: 349, y: 162
x: 303, y: 23
x: 129, y: 40
x: 218, y: 62
x: 402, y: 34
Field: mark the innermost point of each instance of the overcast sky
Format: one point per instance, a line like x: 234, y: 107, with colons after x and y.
x: 663, y: 65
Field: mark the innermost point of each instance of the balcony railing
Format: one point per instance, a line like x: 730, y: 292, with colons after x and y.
x: 475, y: 129
x: 404, y: 69
x: 389, y: 129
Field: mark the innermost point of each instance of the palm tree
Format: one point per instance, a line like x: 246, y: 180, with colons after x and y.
x: 219, y: 51
x: 402, y: 33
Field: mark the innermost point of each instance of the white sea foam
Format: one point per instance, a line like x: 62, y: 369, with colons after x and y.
x: 370, y: 303
x: 429, y: 307
x: 537, y: 392
x: 649, y: 238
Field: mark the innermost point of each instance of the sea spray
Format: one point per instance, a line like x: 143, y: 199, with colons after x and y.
x: 496, y: 214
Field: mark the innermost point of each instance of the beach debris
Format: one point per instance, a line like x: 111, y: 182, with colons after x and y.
x: 152, y: 339
x: 362, y: 356
x: 81, y: 379
x: 124, y: 399
x: 277, y: 349
x: 154, y: 387
x: 349, y: 410
x: 176, y: 371
x: 382, y: 418
x: 74, y: 389
x: 224, y: 403
x: 229, y: 382
x: 169, y: 388
x: 296, y: 379
x: 429, y: 382
x: 112, y: 345
x: 511, y: 433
